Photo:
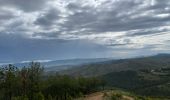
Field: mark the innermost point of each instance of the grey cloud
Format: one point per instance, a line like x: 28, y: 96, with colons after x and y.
x: 75, y: 7
x: 25, y: 5
x: 50, y: 35
x: 79, y: 20
x: 128, y: 16
x: 147, y: 32
x: 124, y: 47
x: 116, y: 44
x: 117, y: 18
x: 6, y: 15
x: 48, y: 18
x: 109, y: 21
x: 108, y: 17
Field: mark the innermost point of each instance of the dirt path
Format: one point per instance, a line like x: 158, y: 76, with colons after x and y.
x: 95, y: 96
x: 99, y: 96
x: 128, y: 98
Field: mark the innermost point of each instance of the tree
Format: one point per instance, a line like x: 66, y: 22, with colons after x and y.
x: 28, y: 83
x: 35, y: 72
x: 24, y: 79
x: 9, y: 81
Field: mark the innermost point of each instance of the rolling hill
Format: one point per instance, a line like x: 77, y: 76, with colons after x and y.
x: 145, y: 76
x: 134, y: 64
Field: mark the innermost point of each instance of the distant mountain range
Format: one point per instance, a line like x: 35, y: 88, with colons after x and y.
x: 101, y: 66
x: 57, y: 65
x: 134, y: 64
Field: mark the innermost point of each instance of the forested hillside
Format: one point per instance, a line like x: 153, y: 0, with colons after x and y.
x: 97, y: 69
x: 155, y: 83
x: 143, y: 78
x: 147, y: 76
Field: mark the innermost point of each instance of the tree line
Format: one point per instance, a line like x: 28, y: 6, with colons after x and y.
x: 31, y: 83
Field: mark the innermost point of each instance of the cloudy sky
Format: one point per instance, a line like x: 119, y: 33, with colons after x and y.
x: 64, y: 29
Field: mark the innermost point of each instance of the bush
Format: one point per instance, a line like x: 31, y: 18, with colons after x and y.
x: 20, y: 98
x: 38, y: 96
x: 116, y: 97
x: 50, y: 97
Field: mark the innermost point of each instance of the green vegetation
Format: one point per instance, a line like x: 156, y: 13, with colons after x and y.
x: 153, y: 83
x: 143, y: 78
x: 134, y: 64
x: 29, y: 83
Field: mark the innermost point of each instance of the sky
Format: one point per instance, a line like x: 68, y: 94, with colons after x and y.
x: 65, y: 29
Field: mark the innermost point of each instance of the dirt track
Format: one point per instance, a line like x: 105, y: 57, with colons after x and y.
x: 95, y: 96
x: 99, y: 96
